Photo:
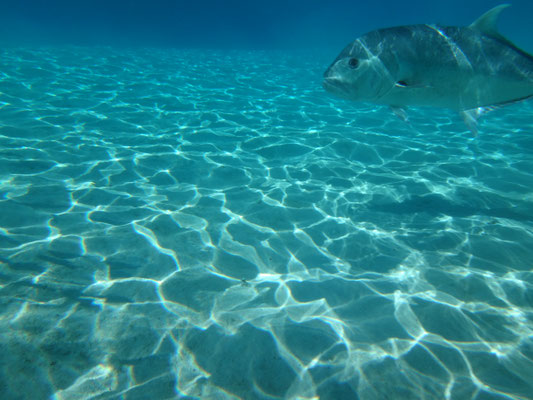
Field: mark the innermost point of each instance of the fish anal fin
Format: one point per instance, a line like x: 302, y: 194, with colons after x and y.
x: 506, y: 103
x: 400, y: 112
x: 470, y: 118
x: 487, y: 23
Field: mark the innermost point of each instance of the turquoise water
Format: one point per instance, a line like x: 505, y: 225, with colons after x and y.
x: 212, y: 225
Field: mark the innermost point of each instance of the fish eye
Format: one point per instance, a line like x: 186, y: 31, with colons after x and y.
x: 353, y: 63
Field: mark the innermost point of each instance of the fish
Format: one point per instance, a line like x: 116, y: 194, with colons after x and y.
x: 470, y: 69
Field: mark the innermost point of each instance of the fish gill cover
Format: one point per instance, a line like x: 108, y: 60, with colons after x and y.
x: 185, y: 213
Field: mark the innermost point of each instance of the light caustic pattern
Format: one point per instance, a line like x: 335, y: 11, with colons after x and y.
x: 213, y: 225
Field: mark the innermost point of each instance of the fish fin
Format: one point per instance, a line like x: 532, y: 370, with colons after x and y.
x: 401, y: 84
x: 506, y: 103
x: 413, y: 85
x: 400, y: 112
x: 487, y: 23
x: 470, y: 117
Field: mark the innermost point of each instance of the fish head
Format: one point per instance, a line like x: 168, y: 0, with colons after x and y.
x: 358, y: 74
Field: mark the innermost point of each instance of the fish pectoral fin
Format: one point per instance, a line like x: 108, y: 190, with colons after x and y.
x: 403, y: 83
x: 400, y: 112
x: 487, y: 23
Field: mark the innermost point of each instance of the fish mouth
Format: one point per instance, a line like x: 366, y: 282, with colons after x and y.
x: 336, y: 87
x: 332, y: 84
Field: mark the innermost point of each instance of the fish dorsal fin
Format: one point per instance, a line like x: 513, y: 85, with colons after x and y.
x: 487, y: 23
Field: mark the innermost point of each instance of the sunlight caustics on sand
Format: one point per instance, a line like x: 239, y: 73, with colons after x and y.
x: 183, y: 224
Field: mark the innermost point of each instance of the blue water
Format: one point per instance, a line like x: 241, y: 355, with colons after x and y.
x: 184, y: 223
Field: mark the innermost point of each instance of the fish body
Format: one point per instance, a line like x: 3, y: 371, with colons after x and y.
x: 460, y: 68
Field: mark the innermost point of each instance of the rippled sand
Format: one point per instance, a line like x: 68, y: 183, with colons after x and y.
x: 213, y: 225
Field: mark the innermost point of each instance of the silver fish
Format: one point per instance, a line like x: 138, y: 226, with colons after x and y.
x: 469, y: 69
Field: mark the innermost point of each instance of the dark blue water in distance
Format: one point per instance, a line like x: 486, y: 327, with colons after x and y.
x: 185, y: 213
